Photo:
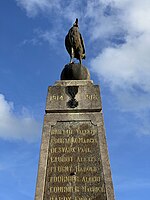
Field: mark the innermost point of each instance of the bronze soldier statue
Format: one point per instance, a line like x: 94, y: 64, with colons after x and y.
x: 74, y: 43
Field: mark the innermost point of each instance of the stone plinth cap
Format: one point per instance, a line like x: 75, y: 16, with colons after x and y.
x: 73, y: 96
x: 73, y: 82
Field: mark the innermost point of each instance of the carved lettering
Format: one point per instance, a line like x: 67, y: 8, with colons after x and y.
x: 86, y: 159
x: 61, y: 132
x: 63, y: 179
x: 83, y: 149
x: 85, y: 169
x: 86, y: 131
x: 91, y: 179
x: 61, y: 169
x: 73, y: 140
x: 64, y: 169
x: 69, y: 131
x: 53, y: 150
x: 60, y: 198
x: 92, y: 97
x: 69, y: 198
x: 70, y: 150
x: 66, y: 149
x: 64, y: 189
x: 92, y: 189
x: 61, y: 159
x: 56, y: 98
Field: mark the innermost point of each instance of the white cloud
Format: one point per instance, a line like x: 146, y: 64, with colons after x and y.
x: 34, y: 6
x: 126, y: 65
x: 135, y: 14
x: 13, y: 126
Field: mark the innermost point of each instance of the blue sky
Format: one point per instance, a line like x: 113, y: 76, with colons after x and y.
x: 32, y: 55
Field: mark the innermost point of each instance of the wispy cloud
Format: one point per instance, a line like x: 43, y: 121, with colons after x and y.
x: 50, y: 36
x: 33, y: 7
x: 40, y: 37
x: 133, y: 184
x: 33, y: 41
x: 17, y: 126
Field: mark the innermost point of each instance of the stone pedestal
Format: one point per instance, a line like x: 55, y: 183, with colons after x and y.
x: 74, y: 163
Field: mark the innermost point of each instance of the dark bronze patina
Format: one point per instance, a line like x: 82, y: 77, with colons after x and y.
x: 75, y: 46
x: 74, y: 43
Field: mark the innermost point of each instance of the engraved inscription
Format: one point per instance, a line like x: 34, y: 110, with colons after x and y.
x: 70, y: 149
x: 56, y: 98
x: 92, y: 97
x: 74, y: 169
x: 70, y: 140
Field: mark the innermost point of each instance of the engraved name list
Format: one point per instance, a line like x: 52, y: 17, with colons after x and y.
x: 74, y: 168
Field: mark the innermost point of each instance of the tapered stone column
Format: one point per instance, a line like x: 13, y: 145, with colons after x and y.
x: 74, y: 163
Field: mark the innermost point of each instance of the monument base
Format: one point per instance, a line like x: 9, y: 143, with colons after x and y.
x: 74, y: 163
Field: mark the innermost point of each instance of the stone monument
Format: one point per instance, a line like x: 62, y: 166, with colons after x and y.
x: 74, y: 163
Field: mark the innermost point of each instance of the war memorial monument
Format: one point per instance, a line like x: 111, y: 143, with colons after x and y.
x: 74, y: 162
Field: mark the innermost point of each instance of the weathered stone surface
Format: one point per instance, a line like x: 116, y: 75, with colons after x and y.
x: 87, y: 97
x: 75, y: 71
x: 74, y: 163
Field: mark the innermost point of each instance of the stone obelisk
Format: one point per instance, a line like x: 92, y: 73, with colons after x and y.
x: 74, y: 163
